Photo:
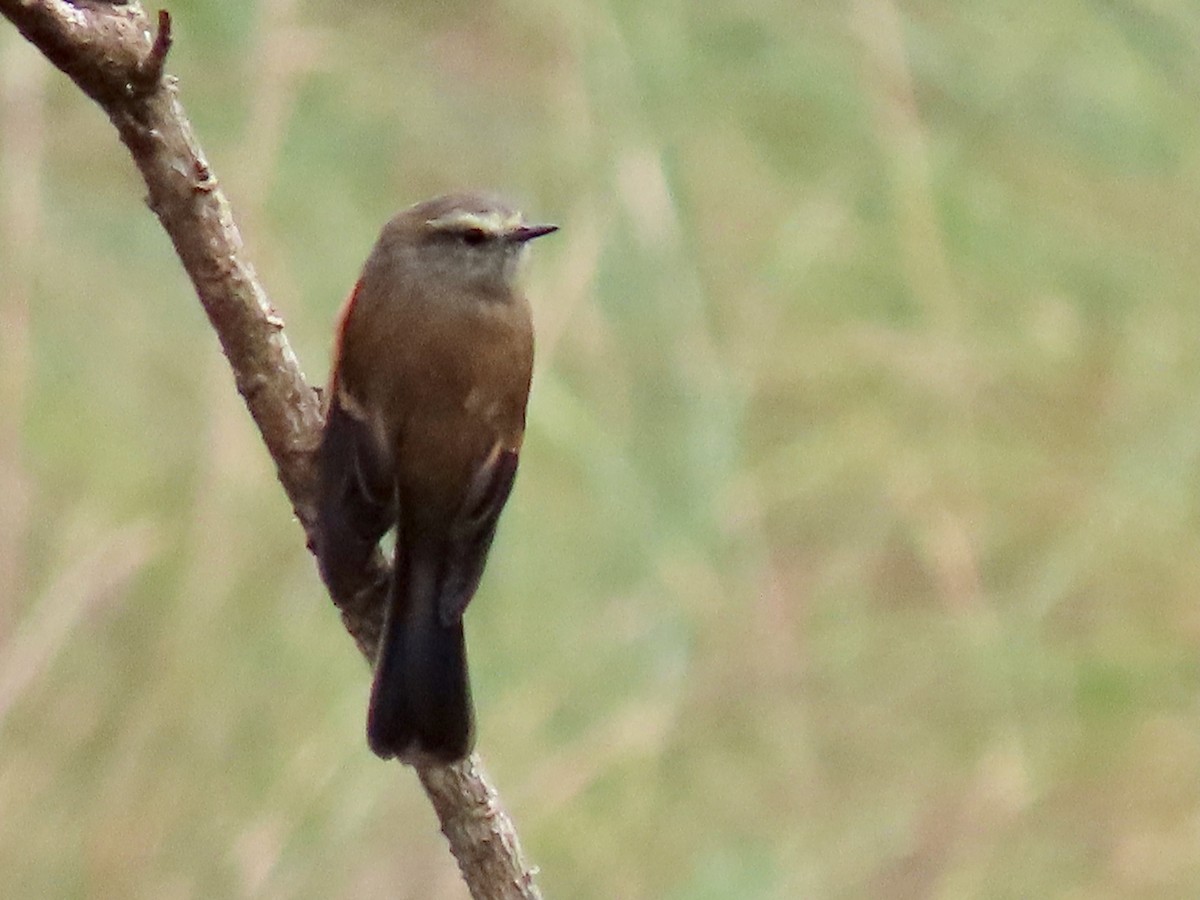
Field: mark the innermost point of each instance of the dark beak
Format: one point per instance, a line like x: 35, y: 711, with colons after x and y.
x: 529, y: 232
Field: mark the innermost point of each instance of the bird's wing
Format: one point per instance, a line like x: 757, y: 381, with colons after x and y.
x: 473, y: 529
x: 355, y: 504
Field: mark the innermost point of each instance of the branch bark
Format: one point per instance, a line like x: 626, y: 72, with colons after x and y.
x: 113, y: 52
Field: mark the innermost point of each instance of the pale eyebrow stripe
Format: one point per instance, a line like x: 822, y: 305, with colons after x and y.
x: 492, y: 222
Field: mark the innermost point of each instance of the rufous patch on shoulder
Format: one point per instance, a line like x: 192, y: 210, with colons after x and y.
x: 339, y: 336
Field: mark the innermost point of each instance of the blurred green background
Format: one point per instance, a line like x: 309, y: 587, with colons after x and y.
x: 854, y: 552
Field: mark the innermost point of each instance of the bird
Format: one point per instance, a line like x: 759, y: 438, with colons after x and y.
x: 426, y: 407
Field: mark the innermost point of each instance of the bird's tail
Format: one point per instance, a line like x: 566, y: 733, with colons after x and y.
x: 421, y: 698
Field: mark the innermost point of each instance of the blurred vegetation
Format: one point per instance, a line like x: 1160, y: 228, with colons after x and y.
x: 854, y: 548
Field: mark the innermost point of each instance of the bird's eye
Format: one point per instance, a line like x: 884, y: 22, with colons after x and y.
x: 474, y: 236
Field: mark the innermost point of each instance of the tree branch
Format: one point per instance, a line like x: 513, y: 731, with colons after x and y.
x: 114, y: 54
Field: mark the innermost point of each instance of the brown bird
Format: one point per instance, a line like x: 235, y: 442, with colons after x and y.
x: 431, y: 369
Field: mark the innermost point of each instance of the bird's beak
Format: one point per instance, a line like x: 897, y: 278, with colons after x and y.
x: 524, y: 233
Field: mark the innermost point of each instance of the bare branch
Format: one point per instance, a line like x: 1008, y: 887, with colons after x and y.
x: 480, y: 831
x: 112, y: 52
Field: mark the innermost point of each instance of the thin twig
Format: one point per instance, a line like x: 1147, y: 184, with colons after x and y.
x: 108, y: 50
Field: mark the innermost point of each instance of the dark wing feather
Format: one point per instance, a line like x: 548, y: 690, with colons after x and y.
x: 355, y: 504
x: 474, y: 527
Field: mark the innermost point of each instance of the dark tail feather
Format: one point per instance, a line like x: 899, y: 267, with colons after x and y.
x: 421, y: 699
